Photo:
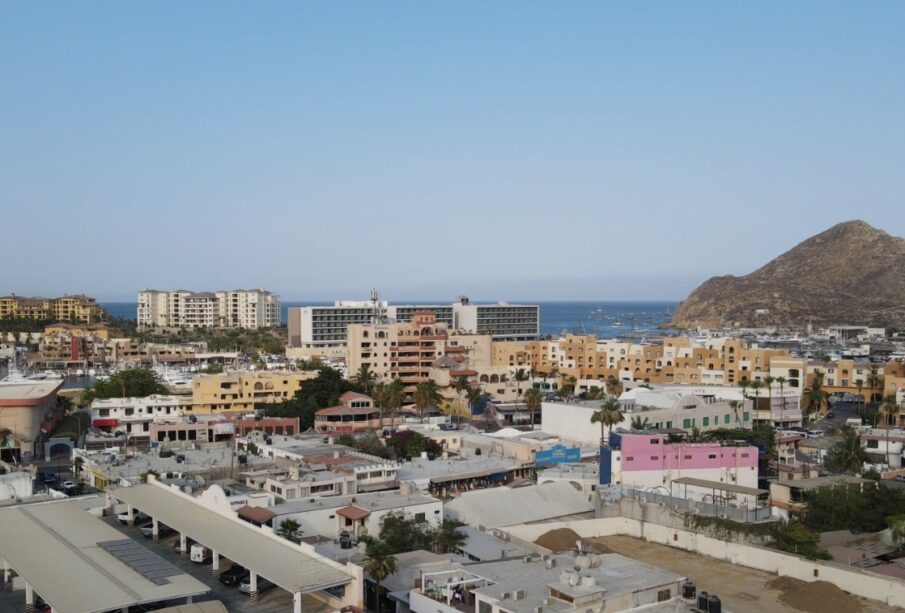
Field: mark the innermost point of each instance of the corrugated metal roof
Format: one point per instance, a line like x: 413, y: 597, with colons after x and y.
x: 55, y: 547
x: 275, y: 559
x: 719, y: 486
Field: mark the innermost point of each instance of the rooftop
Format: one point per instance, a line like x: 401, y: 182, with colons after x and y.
x: 378, y: 501
x: 504, y: 506
x: 75, y: 572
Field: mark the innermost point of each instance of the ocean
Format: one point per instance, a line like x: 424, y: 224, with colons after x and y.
x: 604, y: 319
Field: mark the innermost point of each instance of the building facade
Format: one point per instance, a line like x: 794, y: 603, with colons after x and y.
x: 240, y: 391
x: 249, y: 309
x: 77, y: 309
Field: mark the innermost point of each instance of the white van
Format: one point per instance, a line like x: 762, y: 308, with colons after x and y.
x: 200, y: 554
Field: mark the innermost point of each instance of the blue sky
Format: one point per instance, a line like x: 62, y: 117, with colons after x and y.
x: 581, y: 150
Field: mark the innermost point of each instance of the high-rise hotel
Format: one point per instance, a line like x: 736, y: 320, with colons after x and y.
x: 326, y: 326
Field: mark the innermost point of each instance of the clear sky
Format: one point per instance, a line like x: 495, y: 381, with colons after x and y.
x: 574, y: 150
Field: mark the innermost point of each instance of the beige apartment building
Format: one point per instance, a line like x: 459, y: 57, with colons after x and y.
x: 83, y: 309
x: 250, y: 309
x: 236, y: 392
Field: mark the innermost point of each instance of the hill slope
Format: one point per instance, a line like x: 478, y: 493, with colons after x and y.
x: 849, y: 274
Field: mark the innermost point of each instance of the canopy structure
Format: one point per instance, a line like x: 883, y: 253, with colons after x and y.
x: 79, y: 564
x: 275, y: 559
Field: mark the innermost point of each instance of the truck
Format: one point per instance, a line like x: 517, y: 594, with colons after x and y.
x: 199, y: 554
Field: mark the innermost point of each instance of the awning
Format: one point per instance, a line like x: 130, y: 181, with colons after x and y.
x: 105, y: 423
x: 352, y: 512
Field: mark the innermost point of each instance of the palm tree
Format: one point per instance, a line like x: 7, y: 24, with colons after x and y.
x: 889, y: 409
x: 847, y: 455
x: 756, y: 385
x: 426, y: 396
x: 815, y: 396
x: 613, y: 384
x: 77, y: 466
x: 734, y: 405
x: 768, y: 380
x: 638, y: 423
x: 873, y: 380
x: 859, y: 383
x: 533, y: 399
x: 520, y: 376
x: 290, y: 529
x: 395, y: 394
x: 782, y: 398
x: 461, y: 384
x: 364, y: 378
x: 379, y: 563
x: 474, y: 395
x: 379, y: 394
x: 609, y: 415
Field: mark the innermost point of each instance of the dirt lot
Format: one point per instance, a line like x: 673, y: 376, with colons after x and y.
x: 742, y: 590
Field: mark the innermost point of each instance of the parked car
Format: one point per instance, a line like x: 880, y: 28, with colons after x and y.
x: 199, y: 554
x: 123, y: 518
x: 48, y: 477
x: 263, y: 585
x: 162, y: 531
x: 234, y: 575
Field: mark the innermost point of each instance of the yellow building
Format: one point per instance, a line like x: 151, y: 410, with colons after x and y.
x: 65, y: 308
x: 236, y: 392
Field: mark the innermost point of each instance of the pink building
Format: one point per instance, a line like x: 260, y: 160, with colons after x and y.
x: 648, y: 462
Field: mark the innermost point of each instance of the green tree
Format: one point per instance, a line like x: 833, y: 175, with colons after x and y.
x: 735, y: 405
x: 401, y: 533
x: 314, y: 394
x: 533, y: 399
x: 474, y: 395
x: 364, y: 378
x: 426, y: 397
x: 77, y: 464
x: 795, y: 537
x: 896, y: 524
x: 890, y: 412
x: 407, y: 444
x: 864, y: 508
x: 639, y: 424
x: 129, y: 383
x: 612, y: 384
x: 462, y: 386
x: 395, y: 395
x: 609, y: 415
x: 815, y: 397
x: 846, y: 455
x: 448, y: 538
x: 290, y: 529
x: 379, y: 563
x: 521, y: 375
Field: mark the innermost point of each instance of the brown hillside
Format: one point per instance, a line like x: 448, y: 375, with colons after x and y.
x: 849, y: 274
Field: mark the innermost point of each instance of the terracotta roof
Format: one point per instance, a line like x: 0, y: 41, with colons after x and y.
x: 259, y: 515
x: 353, y: 396
x: 352, y: 512
x: 463, y: 372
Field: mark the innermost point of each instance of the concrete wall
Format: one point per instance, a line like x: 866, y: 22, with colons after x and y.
x: 859, y: 582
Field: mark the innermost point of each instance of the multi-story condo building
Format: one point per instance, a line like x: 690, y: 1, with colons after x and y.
x: 79, y: 309
x: 223, y: 309
x: 326, y: 326
x: 236, y: 392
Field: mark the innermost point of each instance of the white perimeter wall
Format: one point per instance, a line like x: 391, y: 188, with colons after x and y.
x: 859, y: 582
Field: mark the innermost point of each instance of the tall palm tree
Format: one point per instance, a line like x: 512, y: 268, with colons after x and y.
x: 756, y: 386
x: 520, y: 377
x: 847, y: 455
x: 782, y: 398
x: 461, y: 384
x: 638, y: 423
x: 364, y: 378
x: 379, y: 563
x: 873, y: 380
x: 474, y: 395
x: 889, y: 409
x: 613, y: 384
x: 768, y: 381
x: 609, y: 415
x: 533, y: 399
x: 815, y: 397
x: 395, y: 395
x: 859, y: 383
x: 379, y: 395
x: 734, y: 405
x: 426, y: 396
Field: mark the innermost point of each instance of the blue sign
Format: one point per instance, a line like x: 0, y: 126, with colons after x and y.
x: 557, y: 454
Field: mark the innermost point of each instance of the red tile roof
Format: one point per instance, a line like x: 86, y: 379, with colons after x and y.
x: 353, y: 396
x: 352, y: 512
x: 258, y: 515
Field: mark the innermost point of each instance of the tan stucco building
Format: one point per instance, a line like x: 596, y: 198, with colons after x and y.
x: 235, y: 392
x: 79, y: 308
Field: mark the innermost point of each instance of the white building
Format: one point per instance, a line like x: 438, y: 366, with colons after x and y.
x: 238, y: 308
x: 15, y: 482
x: 358, y: 515
x: 135, y: 415
x: 325, y: 326
x: 656, y: 410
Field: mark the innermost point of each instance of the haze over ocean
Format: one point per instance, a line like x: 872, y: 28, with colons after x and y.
x: 605, y: 319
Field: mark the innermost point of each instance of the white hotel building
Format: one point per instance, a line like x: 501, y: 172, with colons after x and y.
x: 319, y: 327
x: 224, y: 309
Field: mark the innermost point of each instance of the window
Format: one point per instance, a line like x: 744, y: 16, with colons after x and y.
x: 711, y: 456
x: 655, y: 457
x: 706, y: 421
x: 419, y: 517
x: 686, y: 423
x: 630, y: 458
x: 654, y: 441
x: 746, y: 416
x: 727, y: 418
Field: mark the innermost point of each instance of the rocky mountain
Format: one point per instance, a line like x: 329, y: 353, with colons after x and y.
x: 849, y: 274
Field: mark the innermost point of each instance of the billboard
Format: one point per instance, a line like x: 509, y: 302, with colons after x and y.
x: 557, y: 454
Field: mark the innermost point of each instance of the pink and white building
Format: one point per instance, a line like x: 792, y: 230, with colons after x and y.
x: 698, y: 471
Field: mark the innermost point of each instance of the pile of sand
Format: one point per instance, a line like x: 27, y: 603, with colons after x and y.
x: 564, y: 539
x: 814, y: 596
